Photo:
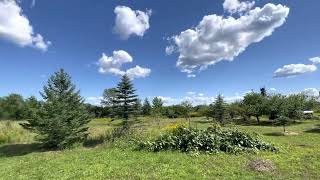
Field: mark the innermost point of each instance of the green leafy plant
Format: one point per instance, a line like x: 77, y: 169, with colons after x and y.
x: 212, y: 140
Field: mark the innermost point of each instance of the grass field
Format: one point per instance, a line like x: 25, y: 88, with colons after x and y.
x: 299, y: 156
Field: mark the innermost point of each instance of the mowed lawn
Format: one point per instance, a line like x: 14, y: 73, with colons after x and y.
x: 299, y: 156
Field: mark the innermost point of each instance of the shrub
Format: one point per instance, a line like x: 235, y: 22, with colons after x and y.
x: 211, y: 140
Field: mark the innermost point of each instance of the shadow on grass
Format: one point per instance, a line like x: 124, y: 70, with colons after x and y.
x: 274, y: 134
x: 314, y: 130
x: 11, y: 150
x: 93, y: 142
x: 266, y: 123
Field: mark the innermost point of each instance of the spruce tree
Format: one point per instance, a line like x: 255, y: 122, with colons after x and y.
x: 126, y: 100
x: 61, y: 121
x: 146, y: 107
x: 219, y: 110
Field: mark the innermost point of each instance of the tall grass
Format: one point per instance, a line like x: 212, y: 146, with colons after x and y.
x: 12, y: 133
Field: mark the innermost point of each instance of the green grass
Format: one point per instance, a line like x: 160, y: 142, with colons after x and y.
x: 299, y: 156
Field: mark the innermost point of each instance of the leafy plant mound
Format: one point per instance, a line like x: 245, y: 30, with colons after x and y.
x: 211, y: 140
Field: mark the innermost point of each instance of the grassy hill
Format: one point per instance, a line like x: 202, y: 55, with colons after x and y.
x: 20, y: 157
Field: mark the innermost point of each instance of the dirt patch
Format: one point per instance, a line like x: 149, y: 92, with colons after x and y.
x: 288, y: 133
x: 262, y: 165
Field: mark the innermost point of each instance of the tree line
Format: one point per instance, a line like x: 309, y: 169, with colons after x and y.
x: 61, y: 118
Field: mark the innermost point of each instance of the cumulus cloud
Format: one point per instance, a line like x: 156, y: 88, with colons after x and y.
x: 315, y: 60
x: 235, y: 6
x: 294, y: 70
x: 131, y: 22
x: 218, y: 38
x: 16, y: 28
x: 94, y: 100
x: 138, y: 72
x: 113, y: 64
x: 312, y: 92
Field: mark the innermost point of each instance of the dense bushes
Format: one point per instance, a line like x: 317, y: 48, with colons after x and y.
x: 212, y: 140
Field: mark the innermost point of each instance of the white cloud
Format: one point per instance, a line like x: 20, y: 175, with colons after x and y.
x: 234, y: 98
x: 169, y: 50
x: 113, y: 64
x: 198, y: 99
x: 15, y: 27
x: 191, y: 75
x: 293, y: 70
x: 169, y: 100
x: 273, y: 89
x: 131, y: 22
x: 315, y: 60
x: 311, y: 92
x: 138, y: 72
x: 235, y: 6
x: 218, y: 38
x: 94, y: 100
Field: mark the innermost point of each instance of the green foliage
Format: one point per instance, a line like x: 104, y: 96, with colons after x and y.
x: 12, y: 107
x: 61, y: 121
x: 275, y: 106
x: 294, y: 106
x: 32, y: 106
x: 219, y: 110
x: 146, y: 108
x: 254, y: 105
x: 235, y: 110
x: 284, y: 121
x: 157, y: 106
x: 212, y: 140
x: 125, y: 101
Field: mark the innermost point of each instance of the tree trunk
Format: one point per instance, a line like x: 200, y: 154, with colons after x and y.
x: 258, y: 120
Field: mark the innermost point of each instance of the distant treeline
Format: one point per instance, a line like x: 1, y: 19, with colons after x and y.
x: 254, y: 104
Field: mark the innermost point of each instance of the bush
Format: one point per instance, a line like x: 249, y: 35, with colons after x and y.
x: 212, y: 140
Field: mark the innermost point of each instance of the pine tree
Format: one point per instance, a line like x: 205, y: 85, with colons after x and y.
x: 219, y: 109
x: 146, y: 108
x: 125, y: 101
x: 61, y: 121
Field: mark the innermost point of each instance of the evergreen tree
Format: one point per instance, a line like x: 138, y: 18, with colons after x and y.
x: 138, y: 108
x: 126, y: 100
x: 219, y: 110
x: 146, y: 108
x: 62, y: 119
x: 32, y: 106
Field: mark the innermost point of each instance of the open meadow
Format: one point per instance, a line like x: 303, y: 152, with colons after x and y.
x: 100, y: 158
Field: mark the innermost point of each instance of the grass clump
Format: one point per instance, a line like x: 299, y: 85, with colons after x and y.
x: 11, y: 132
x: 212, y: 140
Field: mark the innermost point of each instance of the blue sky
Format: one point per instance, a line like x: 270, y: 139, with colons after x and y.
x: 80, y: 31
